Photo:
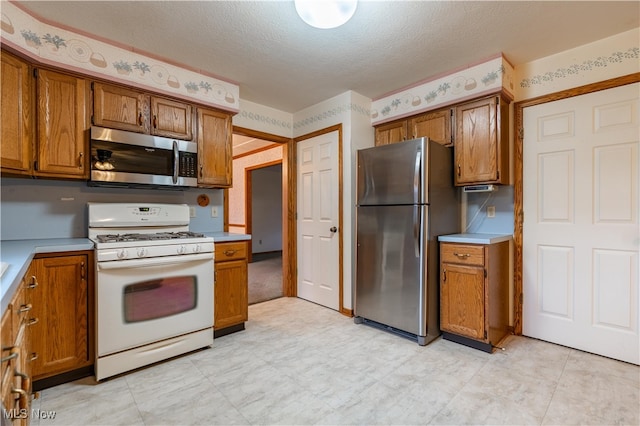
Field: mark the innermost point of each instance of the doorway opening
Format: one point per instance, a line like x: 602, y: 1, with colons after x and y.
x: 254, y: 206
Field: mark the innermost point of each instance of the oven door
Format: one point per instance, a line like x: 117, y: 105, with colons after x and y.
x: 141, y: 301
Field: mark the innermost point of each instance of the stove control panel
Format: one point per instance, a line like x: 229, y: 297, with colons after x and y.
x: 120, y: 254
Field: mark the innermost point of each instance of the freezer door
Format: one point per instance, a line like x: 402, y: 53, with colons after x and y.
x: 390, y: 267
x: 391, y: 174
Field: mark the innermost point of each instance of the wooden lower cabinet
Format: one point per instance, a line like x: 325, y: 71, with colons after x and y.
x: 16, y: 365
x: 474, y: 293
x: 231, y: 306
x: 62, y: 336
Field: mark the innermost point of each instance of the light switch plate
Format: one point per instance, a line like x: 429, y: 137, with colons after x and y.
x: 491, y: 211
x: 192, y: 211
x: 214, y: 211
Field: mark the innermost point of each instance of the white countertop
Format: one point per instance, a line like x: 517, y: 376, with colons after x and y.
x: 475, y: 238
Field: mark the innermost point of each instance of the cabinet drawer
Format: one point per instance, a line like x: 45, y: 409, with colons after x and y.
x: 230, y: 251
x: 467, y: 254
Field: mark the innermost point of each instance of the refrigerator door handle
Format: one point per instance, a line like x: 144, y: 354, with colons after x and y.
x: 416, y: 179
x: 416, y: 229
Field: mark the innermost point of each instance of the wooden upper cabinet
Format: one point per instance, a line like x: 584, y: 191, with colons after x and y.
x: 214, y: 148
x: 118, y: 108
x: 171, y: 119
x: 391, y: 132
x: 481, y: 142
x: 61, y: 144
x: 16, y: 133
x: 122, y: 108
x: 434, y: 125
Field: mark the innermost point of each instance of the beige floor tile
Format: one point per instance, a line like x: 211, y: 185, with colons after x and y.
x: 299, y: 363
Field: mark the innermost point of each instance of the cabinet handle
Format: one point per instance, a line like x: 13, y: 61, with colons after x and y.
x: 33, y: 321
x: 444, y: 275
x: 23, y: 398
x: 462, y: 255
x: 200, y: 170
x: 34, y: 282
x: 155, y: 121
x: 34, y: 356
x: 230, y: 252
x: 82, y: 271
x: 459, y: 170
x: 25, y: 308
x: 140, y: 119
x: 81, y: 160
x: 13, y: 355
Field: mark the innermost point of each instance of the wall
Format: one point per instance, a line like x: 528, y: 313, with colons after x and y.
x: 33, y: 209
x: 266, y: 205
x: 237, y: 215
x: 264, y: 119
x: 352, y: 110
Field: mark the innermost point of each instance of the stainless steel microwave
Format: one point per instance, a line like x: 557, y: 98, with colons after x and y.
x: 128, y: 159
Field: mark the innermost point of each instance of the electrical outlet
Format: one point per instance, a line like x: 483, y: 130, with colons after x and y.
x: 491, y: 211
x: 192, y: 211
x: 214, y: 211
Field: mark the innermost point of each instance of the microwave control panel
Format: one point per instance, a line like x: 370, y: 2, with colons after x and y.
x: 188, y: 164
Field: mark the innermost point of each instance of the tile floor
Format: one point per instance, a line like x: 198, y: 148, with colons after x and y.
x: 299, y: 363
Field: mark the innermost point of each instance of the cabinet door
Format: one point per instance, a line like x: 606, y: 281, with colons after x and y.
x: 171, y: 119
x: 231, y: 298
x: 214, y: 148
x: 476, y: 142
x: 391, y: 132
x: 462, y: 300
x: 433, y: 125
x: 16, y: 134
x: 62, y: 140
x: 61, y: 306
x: 118, y: 108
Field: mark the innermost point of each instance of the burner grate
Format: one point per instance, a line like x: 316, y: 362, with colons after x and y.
x: 118, y: 238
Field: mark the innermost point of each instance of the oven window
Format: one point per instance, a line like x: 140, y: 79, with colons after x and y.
x: 159, y: 298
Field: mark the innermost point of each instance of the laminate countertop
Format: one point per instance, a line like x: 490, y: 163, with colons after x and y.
x: 474, y: 238
x: 16, y: 256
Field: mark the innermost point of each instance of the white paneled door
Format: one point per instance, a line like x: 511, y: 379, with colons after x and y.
x: 581, y: 230
x: 317, y: 220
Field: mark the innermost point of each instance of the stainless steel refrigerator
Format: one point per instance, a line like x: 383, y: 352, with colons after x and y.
x: 405, y: 200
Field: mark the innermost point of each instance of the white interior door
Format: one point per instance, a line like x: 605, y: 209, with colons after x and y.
x: 581, y: 232
x: 317, y: 220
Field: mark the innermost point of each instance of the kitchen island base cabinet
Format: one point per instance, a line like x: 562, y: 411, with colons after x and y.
x: 474, y: 293
x: 231, y: 307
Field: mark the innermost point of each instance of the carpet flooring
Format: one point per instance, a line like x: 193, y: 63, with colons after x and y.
x: 265, y: 277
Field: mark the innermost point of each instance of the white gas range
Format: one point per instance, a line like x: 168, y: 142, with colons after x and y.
x: 154, y: 284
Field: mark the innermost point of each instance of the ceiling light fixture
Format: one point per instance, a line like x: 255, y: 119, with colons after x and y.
x: 325, y: 14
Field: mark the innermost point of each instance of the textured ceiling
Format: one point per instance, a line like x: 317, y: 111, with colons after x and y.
x: 279, y: 61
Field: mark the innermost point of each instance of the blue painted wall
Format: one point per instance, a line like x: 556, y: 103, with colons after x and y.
x: 33, y: 209
x: 477, y: 203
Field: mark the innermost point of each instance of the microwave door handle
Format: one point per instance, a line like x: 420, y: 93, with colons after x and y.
x: 176, y: 162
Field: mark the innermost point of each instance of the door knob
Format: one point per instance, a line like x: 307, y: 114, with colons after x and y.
x: 333, y: 229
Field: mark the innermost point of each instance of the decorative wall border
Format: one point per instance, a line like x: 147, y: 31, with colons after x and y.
x: 49, y: 44
x: 331, y: 113
x: 586, y: 66
x: 488, y: 77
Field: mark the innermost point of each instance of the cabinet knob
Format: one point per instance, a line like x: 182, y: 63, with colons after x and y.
x: 459, y: 170
x: 81, y: 160
x: 444, y: 275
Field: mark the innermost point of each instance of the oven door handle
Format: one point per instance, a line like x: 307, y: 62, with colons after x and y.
x: 154, y: 261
